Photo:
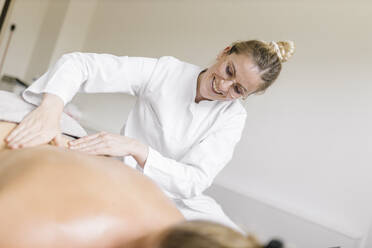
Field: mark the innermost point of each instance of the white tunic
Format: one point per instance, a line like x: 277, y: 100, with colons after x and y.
x: 189, y: 143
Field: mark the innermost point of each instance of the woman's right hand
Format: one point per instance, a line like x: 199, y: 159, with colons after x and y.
x: 40, y: 126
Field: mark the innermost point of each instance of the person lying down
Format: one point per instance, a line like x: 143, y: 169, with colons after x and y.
x: 53, y: 197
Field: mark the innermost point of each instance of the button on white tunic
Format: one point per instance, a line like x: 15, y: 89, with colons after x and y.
x: 189, y: 143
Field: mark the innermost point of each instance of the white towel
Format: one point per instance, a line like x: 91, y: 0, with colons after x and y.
x: 13, y: 109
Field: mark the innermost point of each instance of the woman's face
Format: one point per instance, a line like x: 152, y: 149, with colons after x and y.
x: 231, y: 77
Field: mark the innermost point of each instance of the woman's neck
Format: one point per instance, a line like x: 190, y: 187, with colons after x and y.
x: 198, y: 97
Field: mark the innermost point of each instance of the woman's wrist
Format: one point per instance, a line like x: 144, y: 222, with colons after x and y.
x: 52, y: 100
x: 139, y: 152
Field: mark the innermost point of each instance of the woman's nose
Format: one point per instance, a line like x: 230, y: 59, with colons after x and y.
x: 226, y: 84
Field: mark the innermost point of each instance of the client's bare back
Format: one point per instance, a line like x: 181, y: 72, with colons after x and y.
x: 53, y: 197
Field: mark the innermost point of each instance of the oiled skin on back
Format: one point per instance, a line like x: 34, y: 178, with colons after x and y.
x: 55, y: 197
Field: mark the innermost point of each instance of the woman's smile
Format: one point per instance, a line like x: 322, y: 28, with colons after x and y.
x: 214, y: 87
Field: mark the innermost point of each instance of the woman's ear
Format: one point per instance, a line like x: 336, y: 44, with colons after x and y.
x: 227, y: 49
x: 224, y: 52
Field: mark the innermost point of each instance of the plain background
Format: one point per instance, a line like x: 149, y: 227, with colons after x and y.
x: 306, y: 147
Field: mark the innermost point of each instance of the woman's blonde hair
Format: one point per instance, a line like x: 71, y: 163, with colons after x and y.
x: 206, y: 234
x: 268, y: 56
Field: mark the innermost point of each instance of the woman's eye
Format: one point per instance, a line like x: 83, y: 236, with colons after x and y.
x: 228, y: 71
x: 237, y: 89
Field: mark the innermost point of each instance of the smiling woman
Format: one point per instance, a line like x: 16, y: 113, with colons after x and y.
x: 184, y: 126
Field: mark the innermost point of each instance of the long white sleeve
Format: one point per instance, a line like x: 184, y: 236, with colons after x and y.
x: 196, y: 170
x: 92, y: 73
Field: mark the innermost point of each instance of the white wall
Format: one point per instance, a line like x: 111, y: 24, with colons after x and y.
x: 47, y: 38
x: 74, y: 30
x: 28, y: 16
x: 46, y: 29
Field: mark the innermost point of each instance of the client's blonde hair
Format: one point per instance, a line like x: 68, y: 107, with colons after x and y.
x: 205, y: 234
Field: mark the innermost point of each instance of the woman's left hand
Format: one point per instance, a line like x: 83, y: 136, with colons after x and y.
x: 104, y: 144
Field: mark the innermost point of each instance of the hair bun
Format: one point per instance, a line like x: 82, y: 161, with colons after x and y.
x: 274, y: 244
x: 284, y: 49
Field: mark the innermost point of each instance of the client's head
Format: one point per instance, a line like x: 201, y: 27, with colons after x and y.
x: 205, y: 234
